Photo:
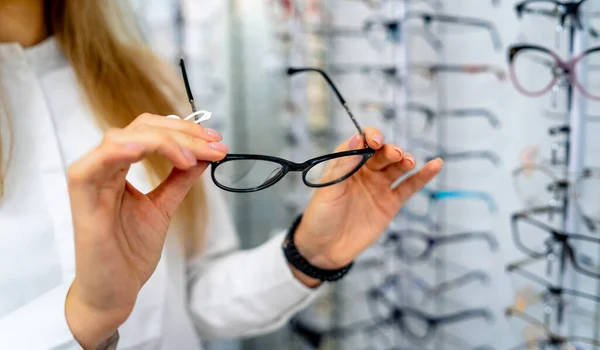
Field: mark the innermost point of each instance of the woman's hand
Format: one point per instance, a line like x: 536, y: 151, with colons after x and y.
x: 119, y: 231
x: 344, y: 219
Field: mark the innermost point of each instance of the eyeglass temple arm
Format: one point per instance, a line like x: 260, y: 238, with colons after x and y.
x: 493, y: 157
x: 291, y: 71
x: 462, y: 194
x: 511, y: 311
x: 467, y: 236
x: 186, y: 81
x: 460, y: 281
x: 466, y: 315
x: 473, y: 112
x: 467, y: 21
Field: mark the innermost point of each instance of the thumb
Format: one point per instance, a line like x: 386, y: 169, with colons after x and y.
x: 170, y: 193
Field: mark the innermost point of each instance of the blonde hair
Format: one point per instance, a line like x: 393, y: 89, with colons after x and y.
x: 121, y: 79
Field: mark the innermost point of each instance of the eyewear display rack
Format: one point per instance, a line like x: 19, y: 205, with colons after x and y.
x: 573, y: 130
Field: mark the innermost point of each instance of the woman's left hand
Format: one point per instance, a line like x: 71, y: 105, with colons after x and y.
x: 344, y: 219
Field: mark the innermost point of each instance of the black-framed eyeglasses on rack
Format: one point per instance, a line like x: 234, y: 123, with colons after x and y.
x: 550, y: 340
x: 552, y: 295
x: 418, y: 326
x: 563, y: 11
x: 242, y: 173
x: 413, y: 245
x: 539, y: 240
x: 420, y: 292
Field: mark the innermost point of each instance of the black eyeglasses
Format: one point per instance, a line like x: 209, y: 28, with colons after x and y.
x: 562, y: 10
x: 420, y: 292
x: 552, y: 293
x: 539, y: 240
x: 243, y: 173
x: 412, y: 245
x: 419, y: 326
x: 551, y: 340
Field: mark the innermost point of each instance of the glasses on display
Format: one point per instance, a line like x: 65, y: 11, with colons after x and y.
x: 425, y: 150
x: 537, y: 185
x: 567, y: 13
x: 540, y: 240
x: 420, y: 292
x: 417, y: 76
x: 417, y: 325
x: 412, y: 245
x: 421, y: 118
x: 536, y: 70
x: 379, y: 31
x: 552, y: 295
x: 546, y: 339
x: 244, y: 173
x: 428, y: 19
x: 432, y: 197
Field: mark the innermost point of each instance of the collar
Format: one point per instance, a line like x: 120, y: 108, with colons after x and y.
x: 41, y: 57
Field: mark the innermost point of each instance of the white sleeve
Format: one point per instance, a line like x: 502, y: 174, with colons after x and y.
x: 236, y: 293
x: 40, y: 324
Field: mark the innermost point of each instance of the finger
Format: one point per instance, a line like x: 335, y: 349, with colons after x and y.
x: 375, y: 140
x: 169, y: 195
x: 417, y: 181
x: 176, y: 124
x: 387, y: 155
x: 181, y: 149
x: 121, y: 148
x: 396, y: 170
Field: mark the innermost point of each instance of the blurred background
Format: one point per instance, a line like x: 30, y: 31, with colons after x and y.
x: 502, y: 250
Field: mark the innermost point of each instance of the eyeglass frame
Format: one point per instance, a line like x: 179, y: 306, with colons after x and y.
x: 551, y: 337
x: 289, y: 166
x: 558, y: 236
x: 393, y: 238
x: 567, y: 67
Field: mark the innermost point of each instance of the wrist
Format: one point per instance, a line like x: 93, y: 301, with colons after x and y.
x: 318, y: 255
x: 90, y: 326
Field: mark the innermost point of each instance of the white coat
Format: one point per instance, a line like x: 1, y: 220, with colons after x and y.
x: 222, y: 293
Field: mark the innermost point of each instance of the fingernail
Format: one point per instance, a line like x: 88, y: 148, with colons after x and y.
x: 399, y: 150
x: 411, y: 160
x: 191, y: 158
x: 221, y: 147
x: 214, y: 134
x: 354, y: 142
x: 378, y: 139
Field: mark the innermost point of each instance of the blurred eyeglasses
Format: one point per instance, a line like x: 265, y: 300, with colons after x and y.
x: 537, y: 185
x: 552, y: 295
x: 244, y: 173
x: 420, y: 292
x: 541, y: 241
x: 423, y: 203
x: 421, y: 117
x: 384, y: 30
x: 536, y: 70
x: 378, y: 4
x: 412, y: 245
x: 420, y: 327
x: 548, y: 339
x: 566, y: 13
x: 420, y: 77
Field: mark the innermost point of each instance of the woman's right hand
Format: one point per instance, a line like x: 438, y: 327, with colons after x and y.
x: 119, y: 231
